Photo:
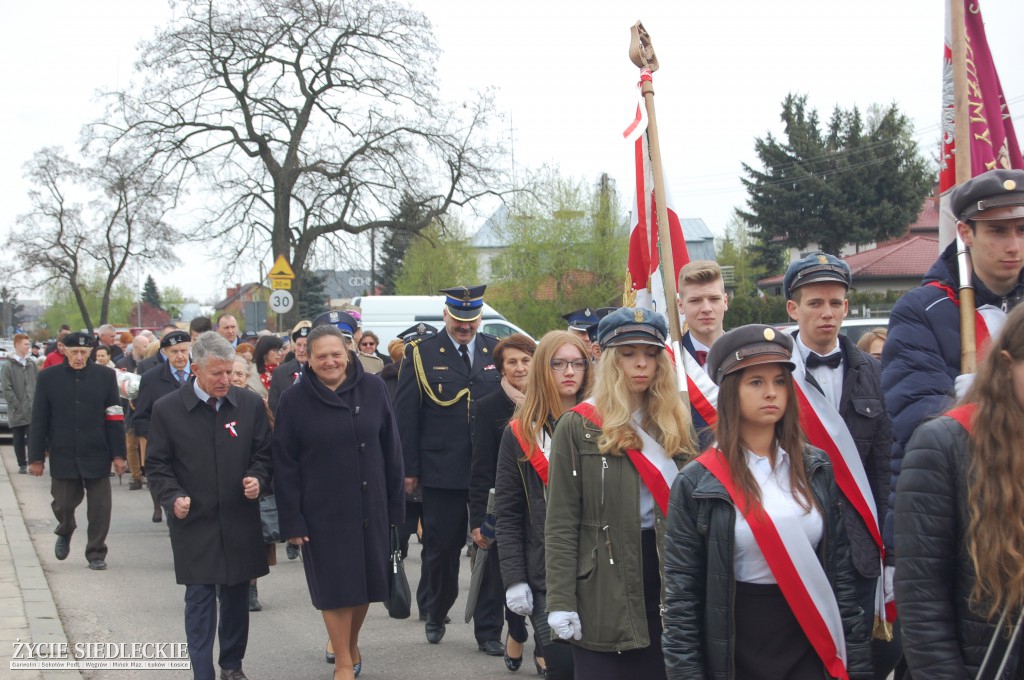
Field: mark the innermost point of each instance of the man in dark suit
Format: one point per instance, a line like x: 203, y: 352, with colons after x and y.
x: 285, y: 375
x: 77, y: 417
x: 850, y: 380
x: 441, y: 378
x: 209, y: 456
x: 158, y: 382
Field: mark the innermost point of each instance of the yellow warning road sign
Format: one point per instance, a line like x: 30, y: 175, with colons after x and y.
x: 281, y: 274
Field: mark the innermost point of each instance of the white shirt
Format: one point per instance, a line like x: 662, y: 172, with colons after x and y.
x: 829, y: 379
x: 778, y: 501
x: 653, y: 452
x: 203, y: 396
x: 470, y: 348
x: 699, y: 346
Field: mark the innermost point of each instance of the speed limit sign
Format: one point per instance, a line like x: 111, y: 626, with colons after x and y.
x: 281, y: 301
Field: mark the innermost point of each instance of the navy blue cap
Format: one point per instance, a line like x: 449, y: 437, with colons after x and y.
x: 79, y: 340
x: 748, y: 346
x: 581, y: 319
x: 465, y: 303
x: 629, y: 326
x: 993, y: 189
x: 420, y: 330
x: 174, y: 338
x: 343, y: 320
x: 601, y: 312
x: 816, y: 268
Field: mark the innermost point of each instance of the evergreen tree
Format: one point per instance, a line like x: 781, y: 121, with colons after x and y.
x: 313, y: 298
x: 150, y: 293
x: 848, y: 182
x: 410, y: 211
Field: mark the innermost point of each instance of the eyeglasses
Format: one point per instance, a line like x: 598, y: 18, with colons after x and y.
x: 368, y: 344
x: 561, y: 364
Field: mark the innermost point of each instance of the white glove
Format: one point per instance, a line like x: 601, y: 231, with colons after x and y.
x: 565, y: 625
x: 519, y: 598
x: 888, y: 573
x: 962, y: 384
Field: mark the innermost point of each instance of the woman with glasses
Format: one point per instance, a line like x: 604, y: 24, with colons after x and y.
x: 513, y: 356
x: 269, y: 353
x: 366, y: 351
x: 560, y: 379
x: 613, y: 458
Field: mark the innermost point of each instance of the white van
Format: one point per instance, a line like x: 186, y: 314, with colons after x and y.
x: 389, y: 315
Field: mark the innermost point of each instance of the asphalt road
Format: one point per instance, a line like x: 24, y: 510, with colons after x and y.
x: 137, y: 600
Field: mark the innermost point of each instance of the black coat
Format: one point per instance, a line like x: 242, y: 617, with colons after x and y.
x: 339, y: 480
x: 283, y: 377
x: 157, y: 382
x: 192, y: 452
x: 150, y: 363
x: 437, y: 440
x: 943, y: 638
x: 520, y: 502
x: 699, y: 578
x: 490, y: 416
x: 77, y: 417
x: 862, y: 408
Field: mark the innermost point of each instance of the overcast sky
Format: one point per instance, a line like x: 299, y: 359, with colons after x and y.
x: 563, y: 79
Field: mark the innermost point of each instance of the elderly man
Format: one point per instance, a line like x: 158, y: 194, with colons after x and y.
x: 108, y: 335
x: 444, y: 375
x: 209, y: 457
x: 227, y: 326
x: 77, y: 417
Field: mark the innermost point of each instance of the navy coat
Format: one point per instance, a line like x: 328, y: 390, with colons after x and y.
x: 156, y: 382
x: 437, y: 440
x: 77, y: 417
x: 204, y: 454
x: 339, y: 479
x: 283, y: 377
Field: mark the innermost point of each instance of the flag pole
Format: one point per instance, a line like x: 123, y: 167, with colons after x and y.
x: 962, y: 133
x: 641, y: 53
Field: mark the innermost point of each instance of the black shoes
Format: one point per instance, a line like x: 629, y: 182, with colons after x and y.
x: 292, y: 551
x: 447, y: 619
x: 97, y: 564
x: 233, y: 674
x: 158, y: 514
x: 135, y: 485
x: 491, y: 648
x: 62, y: 548
x: 254, y: 599
x: 22, y: 469
x: 511, y: 662
x: 435, y: 631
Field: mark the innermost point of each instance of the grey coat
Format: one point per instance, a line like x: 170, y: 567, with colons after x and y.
x: 19, y: 388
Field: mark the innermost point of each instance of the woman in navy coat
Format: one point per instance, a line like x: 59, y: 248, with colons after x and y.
x: 339, y: 482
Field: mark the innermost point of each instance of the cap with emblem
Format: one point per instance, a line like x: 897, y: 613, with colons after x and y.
x: 79, y: 340
x: 464, y: 303
x: 581, y: 319
x: 343, y: 320
x: 419, y: 331
x: 749, y: 346
x: 301, y: 331
x: 629, y: 326
x: 600, y: 312
x: 992, y: 189
x: 816, y: 268
x: 174, y: 338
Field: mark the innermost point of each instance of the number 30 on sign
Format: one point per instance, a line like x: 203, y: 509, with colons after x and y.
x: 281, y: 301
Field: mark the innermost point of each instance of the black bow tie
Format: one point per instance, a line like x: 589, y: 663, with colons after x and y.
x: 832, y: 360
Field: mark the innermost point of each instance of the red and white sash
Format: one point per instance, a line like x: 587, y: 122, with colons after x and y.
x: 650, y: 475
x: 964, y: 415
x: 701, y: 389
x: 796, y: 569
x: 988, y: 320
x: 534, y: 453
x: 825, y: 428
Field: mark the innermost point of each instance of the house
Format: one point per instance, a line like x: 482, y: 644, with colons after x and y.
x: 248, y: 304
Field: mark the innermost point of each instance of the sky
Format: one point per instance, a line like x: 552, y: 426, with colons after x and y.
x: 562, y: 78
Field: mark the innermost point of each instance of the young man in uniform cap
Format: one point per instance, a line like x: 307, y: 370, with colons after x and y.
x: 442, y: 376
x: 580, y: 322
x: 921, y: 358
x: 157, y: 382
x: 850, y: 381
x: 209, y: 458
x: 77, y: 417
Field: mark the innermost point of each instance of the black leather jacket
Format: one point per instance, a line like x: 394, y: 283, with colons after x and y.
x: 699, y: 582
x: 942, y: 637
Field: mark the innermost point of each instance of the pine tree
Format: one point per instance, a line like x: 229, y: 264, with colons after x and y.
x: 150, y: 293
x: 313, y: 298
x: 395, y: 246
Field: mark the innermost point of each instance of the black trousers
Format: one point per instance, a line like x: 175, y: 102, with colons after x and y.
x: 490, y: 603
x: 445, y: 516
x: 20, y: 435
x: 67, y: 496
x: 201, y: 626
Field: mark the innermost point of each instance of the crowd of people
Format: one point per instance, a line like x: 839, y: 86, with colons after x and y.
x: 753, y: 504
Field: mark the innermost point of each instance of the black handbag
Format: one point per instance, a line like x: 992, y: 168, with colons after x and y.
x: 399, y: 601
x: 269, y: 520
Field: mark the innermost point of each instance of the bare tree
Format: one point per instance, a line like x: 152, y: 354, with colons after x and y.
x: 307, y: 119
x: 88, y: 221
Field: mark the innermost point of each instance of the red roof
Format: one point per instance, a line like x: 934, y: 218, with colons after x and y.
x: 910, y: 258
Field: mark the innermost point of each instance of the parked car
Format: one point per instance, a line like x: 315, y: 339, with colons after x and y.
x: 389, y: 315
x: 4, y: 423
x: 851, y: 328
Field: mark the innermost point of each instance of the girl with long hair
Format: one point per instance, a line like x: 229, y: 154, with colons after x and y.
x: 959, y: 526
x: 613, y: 458
x: 758, y: 578
x: 559, y: 379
